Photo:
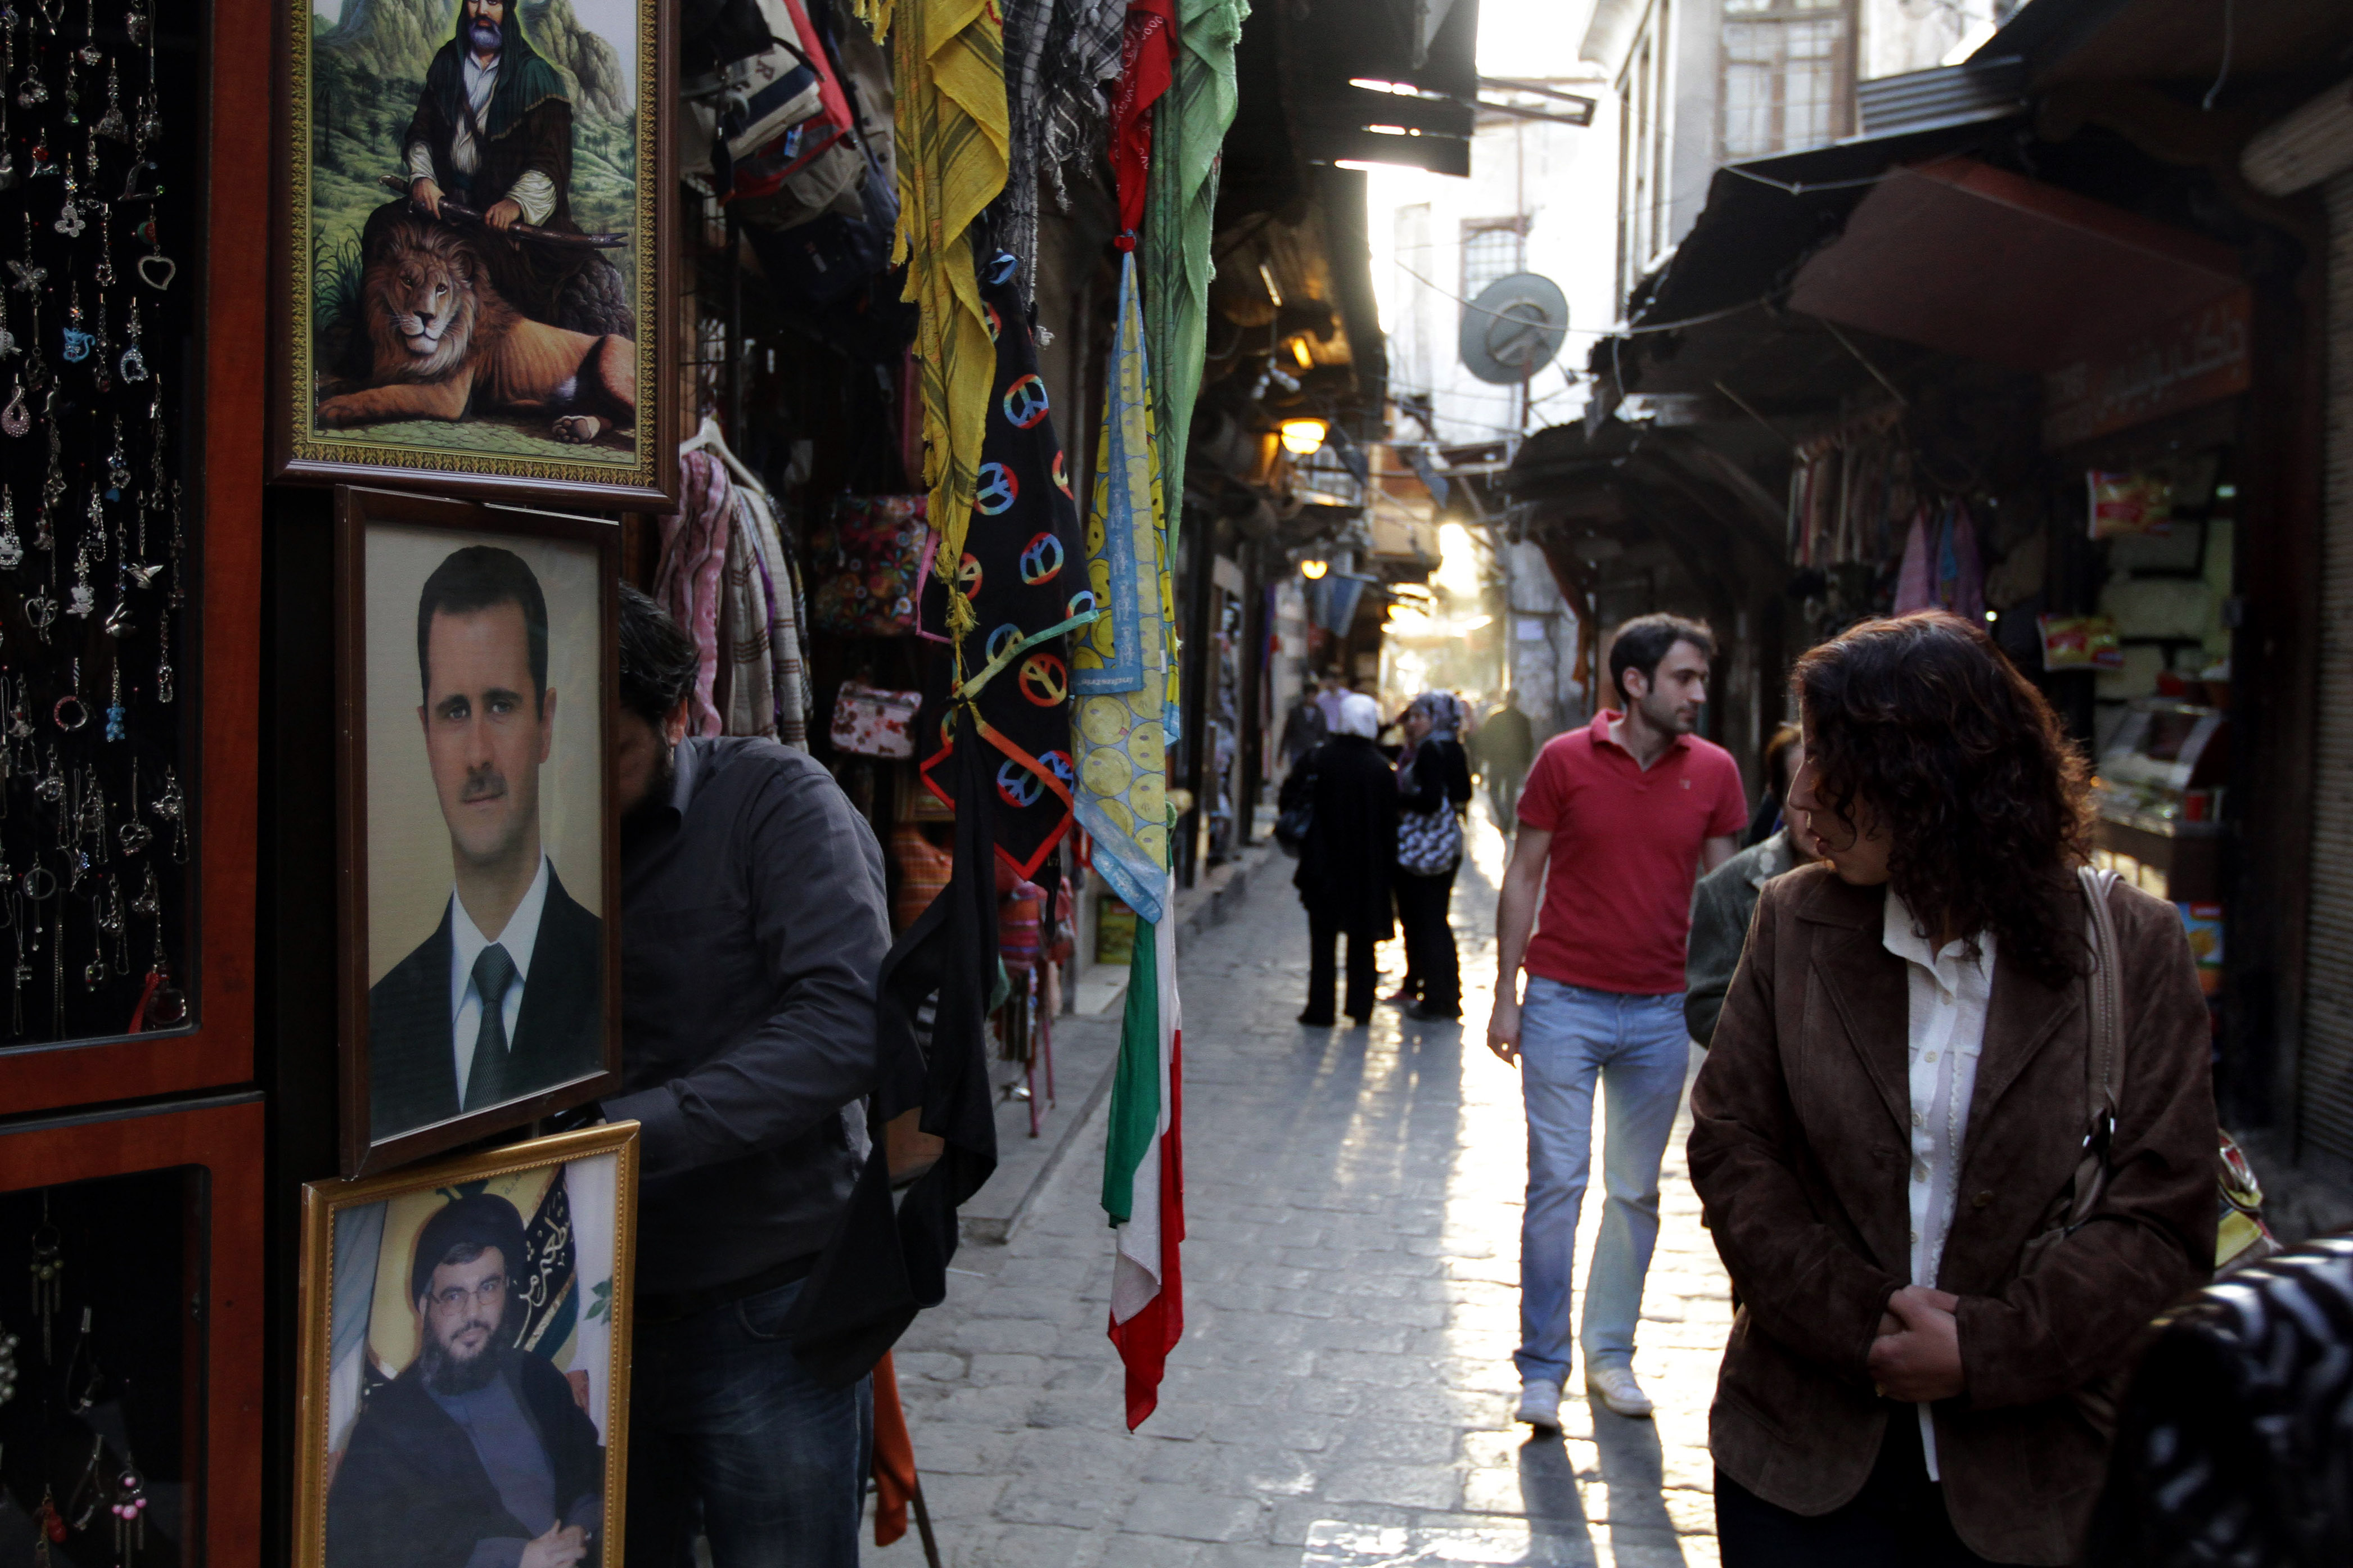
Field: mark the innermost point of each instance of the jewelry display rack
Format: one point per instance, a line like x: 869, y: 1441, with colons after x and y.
x: 130, y: 429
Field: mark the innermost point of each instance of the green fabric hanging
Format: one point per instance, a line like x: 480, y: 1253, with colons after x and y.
x: 1180, y: 206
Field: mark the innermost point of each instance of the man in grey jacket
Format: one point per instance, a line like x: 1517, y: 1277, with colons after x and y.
x: 1723, y: 903
x: 752, y: 927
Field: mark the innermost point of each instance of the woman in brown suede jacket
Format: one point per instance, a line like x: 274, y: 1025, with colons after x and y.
x: 1894, y: 1104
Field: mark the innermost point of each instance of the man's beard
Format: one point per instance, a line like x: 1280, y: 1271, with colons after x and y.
x: 658, y: 791
x: 486, y: 36
x: 445, y: 1374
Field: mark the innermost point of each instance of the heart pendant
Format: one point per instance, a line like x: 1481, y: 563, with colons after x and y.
x: 163, y: 263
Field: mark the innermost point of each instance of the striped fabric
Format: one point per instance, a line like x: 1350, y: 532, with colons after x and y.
x: 949, y: 66
x: 1083, y: 48
x: 1025, y: 24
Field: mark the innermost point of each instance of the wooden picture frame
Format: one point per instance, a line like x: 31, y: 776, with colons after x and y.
x: 555, y: 1192
x: 574, y: 342
x: 561, y: 1055
x: 219, y: 1297
x: 227, y: 410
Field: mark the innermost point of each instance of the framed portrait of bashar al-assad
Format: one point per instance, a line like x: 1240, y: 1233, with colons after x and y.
x: 465, y: 1359
x: 476, y: 198
x: 475, y: 681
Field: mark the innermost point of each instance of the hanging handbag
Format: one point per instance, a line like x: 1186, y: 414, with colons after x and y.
x: 2241, y: 1239
x: 1297, y: 819
x: 1430, y: 842
x: 867, y: 559
x: 871, y: 721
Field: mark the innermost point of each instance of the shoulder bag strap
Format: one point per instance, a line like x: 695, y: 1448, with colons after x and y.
x: 2104, y: 1061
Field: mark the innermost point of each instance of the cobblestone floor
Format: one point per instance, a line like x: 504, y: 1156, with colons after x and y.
x: 1343, y: 1394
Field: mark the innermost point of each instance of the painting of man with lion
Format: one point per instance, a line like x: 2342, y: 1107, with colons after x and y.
x: 471, y: 300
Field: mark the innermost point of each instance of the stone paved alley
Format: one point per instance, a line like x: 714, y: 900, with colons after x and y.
x: 1343, y: 1394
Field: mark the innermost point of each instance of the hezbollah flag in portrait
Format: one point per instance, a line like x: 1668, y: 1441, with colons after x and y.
x: 1023, y: 576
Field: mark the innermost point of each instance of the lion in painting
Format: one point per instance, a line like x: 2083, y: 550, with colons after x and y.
x: 444, y: 344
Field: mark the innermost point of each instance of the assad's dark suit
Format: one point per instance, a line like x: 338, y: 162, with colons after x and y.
x: 558, y: 1035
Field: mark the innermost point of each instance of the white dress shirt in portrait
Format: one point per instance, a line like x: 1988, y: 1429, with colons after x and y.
x: 1949, y: 991
x: 466, y: 944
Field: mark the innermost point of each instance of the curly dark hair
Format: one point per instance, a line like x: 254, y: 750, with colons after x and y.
x: 1924, y: 724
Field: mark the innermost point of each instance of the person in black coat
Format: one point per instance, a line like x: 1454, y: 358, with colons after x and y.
x: 1347, y: 858
x: 1433, y: 783
x: 476, y: 1454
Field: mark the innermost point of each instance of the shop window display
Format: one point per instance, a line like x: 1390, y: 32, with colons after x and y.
x: 96, y: 1459
x: 97, y: 587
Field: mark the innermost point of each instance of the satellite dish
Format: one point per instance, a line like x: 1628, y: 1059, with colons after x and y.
x: 1513, y: 329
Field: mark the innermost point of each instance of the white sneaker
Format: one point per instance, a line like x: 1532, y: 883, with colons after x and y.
x: 1615, y: 1387
x: 1540, y: 1404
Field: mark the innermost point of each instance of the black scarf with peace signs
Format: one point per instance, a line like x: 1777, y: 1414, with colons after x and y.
x: 1025, y: 570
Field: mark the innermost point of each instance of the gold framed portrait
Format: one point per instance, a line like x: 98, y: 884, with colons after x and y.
x: 465, y: 1356
x: 475, y: 200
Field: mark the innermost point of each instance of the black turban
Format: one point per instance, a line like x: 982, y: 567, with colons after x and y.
x: 481, y: 1220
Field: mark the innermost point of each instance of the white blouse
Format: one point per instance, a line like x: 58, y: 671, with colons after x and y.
x: 1949, y: 993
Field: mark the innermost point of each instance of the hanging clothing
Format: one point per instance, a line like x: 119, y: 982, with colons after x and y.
x: 693, y: 555
x: 1023, y: 579
x: 1942, y: 569
x: 949, y: 71
x: 1082, y: 50
x: 743, y: 691
x: 1190, y: 128
x: 1026, y: 25
x: 1122, y: 668
x: 780, y: 596
x: 1144, y: 76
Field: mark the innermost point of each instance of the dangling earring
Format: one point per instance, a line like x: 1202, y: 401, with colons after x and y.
x: 48, y: 1274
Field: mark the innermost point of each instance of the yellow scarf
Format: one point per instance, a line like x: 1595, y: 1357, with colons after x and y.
x: 949, y: 62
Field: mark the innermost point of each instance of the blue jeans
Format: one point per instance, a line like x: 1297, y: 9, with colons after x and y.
x: 1639, y: 1050
x: 726, y: 1430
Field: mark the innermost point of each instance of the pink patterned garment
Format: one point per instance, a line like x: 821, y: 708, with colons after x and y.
x: 694, y: 556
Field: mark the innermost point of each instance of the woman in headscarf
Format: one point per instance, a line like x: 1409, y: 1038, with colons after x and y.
x: 1346, y: 859
x: 1433, y: 787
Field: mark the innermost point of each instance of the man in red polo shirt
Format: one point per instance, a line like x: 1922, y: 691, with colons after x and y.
x: 1616, y: 820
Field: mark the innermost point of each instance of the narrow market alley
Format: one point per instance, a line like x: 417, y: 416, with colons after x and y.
x: 1343, y: 1394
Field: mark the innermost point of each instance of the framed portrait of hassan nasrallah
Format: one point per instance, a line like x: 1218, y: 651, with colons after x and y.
x: 464, y: 1390
x: 479, y: 868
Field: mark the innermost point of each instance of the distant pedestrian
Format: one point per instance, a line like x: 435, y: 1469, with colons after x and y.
x: 1347, y: 859
x: 1944, y: 1236
x: 1727, y: 897
x: 1777, y: 770
x: 1617, y: 821
x: 1334, y: 692
x: 1433, y: 787
x: 1303, y: 730
x: 1502, y: 752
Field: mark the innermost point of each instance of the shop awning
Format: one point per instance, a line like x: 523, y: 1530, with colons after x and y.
x: 1973, y: 260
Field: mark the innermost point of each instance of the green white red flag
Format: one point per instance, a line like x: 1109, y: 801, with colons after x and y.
x: 1144, y: 1167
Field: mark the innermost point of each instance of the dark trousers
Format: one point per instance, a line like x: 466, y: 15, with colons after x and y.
x: 1323, y: 956
x: 1897, y: 1520
x: 1433, y: 972
x: 727, y: 1431
x: 1503, y: 797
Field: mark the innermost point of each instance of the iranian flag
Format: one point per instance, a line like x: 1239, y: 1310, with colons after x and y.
x: 1144, y: 1169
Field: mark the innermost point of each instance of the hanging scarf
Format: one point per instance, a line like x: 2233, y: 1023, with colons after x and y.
x: 745, y: 692
x: 1023, y: 576
x: 693, y: 551
x: 1121, y: 668
x: 949, y: 71
x: 1143, y: 75
x: 1025, y: 23
x: 1191, y: 124
x: 1082, y: 49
